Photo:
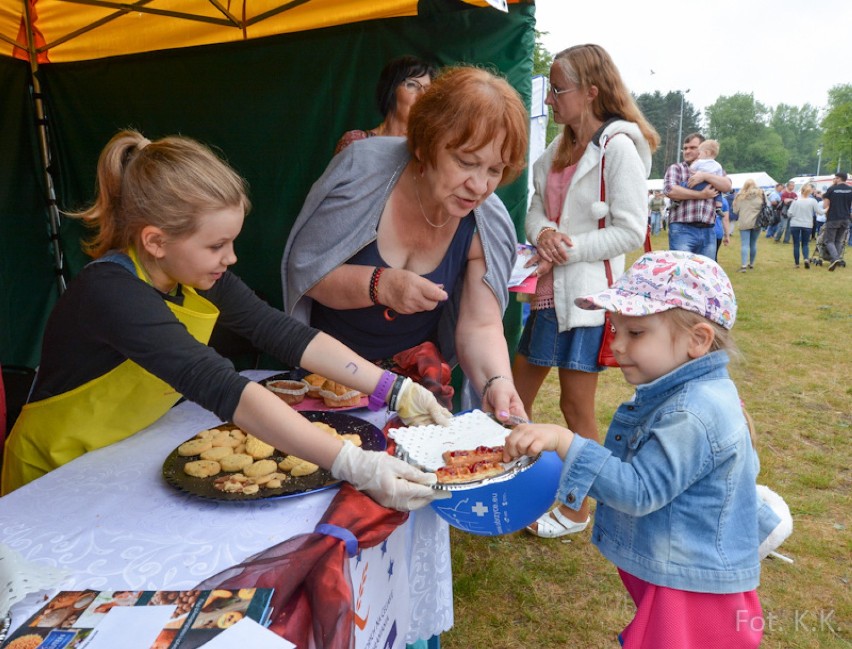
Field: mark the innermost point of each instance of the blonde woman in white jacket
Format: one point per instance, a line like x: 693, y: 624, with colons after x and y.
x: 600, y: 116
x: 802, y: 213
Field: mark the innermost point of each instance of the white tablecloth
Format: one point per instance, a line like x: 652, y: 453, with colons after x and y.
x: 111, y: 520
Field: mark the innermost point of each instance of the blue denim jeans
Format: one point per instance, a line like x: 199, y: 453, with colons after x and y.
x: 748, y: 246
x: 801, y: 237
x: 783, y: 229
x: 691, y: 238
x: 656, y: 222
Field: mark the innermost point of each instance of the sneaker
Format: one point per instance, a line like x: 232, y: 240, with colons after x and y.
x: 796, y: 266
x: 834, y: 264
x: 807, y: 265
x: 742, y: 269
x: 750, y: 267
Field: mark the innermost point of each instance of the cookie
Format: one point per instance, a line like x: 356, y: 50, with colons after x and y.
x: 225, y: 438
x: 202, y: 468
x: 194, y: 446
x: 289, y: 462
x: 352, y: 437
x: 238, y: 434
x: 264, y: 480
x: 258, y: 449
x: 216, y: 453
x: 235, y: 462
x: 259, y: 468
x: 304, y: 468
x: 325, y: 427
x: 232, y: 483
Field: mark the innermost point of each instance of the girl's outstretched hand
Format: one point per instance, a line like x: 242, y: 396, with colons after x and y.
x: 532, y: 439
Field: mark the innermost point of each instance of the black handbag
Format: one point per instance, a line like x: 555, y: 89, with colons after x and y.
x: 765, y: 216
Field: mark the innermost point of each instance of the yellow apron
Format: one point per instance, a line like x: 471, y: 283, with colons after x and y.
x: 105, y: 410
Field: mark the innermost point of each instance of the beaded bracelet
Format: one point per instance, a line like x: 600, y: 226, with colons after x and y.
x: 541, y: 232
x: 491, y: 380
x: 374, y: 284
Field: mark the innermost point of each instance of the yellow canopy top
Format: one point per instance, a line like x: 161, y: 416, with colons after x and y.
x: 75, y: 30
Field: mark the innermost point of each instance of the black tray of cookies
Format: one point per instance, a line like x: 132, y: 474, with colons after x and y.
x: 372, y: 439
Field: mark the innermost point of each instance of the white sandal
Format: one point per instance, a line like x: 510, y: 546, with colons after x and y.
x: 554, y: 524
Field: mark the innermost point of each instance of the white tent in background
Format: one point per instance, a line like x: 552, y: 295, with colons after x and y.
x: 538, y: 127
x: 763, y: 180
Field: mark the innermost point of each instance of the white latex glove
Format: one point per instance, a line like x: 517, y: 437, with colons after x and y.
x: 416, y: 406
x: 386, y: 479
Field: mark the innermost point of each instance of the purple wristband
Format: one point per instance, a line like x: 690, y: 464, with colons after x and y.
x: 377, y: 399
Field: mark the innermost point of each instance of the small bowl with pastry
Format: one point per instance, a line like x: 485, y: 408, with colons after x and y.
x: 488, y: 497
x: 289, y: 391
x: 337, y: 395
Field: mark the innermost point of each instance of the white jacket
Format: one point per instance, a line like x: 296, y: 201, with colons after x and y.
x: 628, y: 163
x: 802, y: 212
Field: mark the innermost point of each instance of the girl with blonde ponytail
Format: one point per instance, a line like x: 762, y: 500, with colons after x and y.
x: 129, y: 336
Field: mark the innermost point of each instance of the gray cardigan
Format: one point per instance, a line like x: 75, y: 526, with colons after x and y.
x: 341, y: 215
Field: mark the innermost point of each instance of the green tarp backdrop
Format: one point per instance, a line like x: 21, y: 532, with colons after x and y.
x: 273, y: 107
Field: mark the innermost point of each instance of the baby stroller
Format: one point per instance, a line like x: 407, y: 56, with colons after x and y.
x: 821, y: 252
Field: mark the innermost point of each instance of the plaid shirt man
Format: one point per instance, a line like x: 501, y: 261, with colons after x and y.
x: 688, y: 211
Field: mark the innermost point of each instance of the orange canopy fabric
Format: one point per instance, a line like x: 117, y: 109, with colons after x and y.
x: 76, y: 30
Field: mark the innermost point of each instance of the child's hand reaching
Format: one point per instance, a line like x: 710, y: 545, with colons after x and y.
x: 532, y: 439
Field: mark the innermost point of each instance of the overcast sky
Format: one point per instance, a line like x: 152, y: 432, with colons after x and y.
x: 780, y: 51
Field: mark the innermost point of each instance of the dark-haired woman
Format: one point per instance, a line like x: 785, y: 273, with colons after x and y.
x: 401, y: 83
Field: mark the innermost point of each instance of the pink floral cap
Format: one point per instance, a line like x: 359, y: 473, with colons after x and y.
x: 669, y: 279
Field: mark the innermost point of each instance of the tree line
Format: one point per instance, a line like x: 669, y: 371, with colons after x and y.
x: 784, y: 141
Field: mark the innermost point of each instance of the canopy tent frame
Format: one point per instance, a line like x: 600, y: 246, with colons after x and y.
x: 54, y: 219
x: 225, y: 18
x: 123, y: 8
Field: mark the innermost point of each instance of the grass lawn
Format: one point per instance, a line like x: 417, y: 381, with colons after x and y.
x: 793, y: 328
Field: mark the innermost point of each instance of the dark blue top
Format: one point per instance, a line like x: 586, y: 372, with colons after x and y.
x: 368, y: 332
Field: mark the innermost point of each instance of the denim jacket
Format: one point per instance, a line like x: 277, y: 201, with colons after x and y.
x: 675, y: 483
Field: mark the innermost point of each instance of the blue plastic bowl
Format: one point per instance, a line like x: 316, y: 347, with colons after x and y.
x: 504, y: 504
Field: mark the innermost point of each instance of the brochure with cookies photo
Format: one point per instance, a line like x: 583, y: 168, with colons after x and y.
x: 72, y: 619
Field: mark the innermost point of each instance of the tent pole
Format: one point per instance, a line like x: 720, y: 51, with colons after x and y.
x: 54, y: 219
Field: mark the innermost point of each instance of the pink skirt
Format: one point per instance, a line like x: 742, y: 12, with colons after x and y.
x: 667, y: 618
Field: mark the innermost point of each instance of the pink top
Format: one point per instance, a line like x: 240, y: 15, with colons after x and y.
x: 555, y: 191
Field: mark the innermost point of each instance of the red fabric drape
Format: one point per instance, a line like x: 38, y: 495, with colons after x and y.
x: 425, y: 365
x: 312, y: 602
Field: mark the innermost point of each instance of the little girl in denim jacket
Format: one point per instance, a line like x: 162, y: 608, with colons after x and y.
x: 677, y: 508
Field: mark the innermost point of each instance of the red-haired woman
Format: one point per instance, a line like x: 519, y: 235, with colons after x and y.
x: 403, y: 251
